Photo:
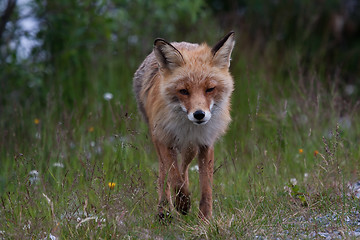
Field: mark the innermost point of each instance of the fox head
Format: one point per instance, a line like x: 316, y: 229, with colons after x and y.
x: 195, y: 78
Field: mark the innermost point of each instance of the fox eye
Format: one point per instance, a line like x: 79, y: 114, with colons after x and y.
x: 210, y: 89
x: 184, y: 92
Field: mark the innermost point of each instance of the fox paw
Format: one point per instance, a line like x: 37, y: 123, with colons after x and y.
x: 164, y: 217
x: 182, y: 203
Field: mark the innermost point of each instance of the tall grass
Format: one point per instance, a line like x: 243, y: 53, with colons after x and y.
x: 106, y: 141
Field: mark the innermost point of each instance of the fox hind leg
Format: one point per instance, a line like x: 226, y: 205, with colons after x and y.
x: 164, y: 205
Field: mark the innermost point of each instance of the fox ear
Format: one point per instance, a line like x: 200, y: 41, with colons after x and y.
x: 167, y: 55
x: 222, y: 51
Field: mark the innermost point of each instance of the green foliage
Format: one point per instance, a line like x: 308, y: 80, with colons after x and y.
x: 324, y: 34
x: 81, y: 38
x: 297, y: 193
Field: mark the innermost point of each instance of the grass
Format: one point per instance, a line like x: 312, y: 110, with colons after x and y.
x: 77, y: 151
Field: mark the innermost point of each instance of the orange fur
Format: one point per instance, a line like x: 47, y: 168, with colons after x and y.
x: 183, y: 91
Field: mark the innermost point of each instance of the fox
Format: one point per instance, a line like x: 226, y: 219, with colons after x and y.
x: 183, y: 91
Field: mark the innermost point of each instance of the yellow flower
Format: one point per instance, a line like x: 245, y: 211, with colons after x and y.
x: 111, y: 185
x: 301, y: 150
x: 316, y: 152
x: 36, y: 121
x: 91, y: 129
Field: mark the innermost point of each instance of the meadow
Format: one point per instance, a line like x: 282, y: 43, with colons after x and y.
x: 77, y: 161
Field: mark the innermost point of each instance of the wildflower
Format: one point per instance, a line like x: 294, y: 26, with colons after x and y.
x: 316, y: 152
x: 306, y: 176
x: 34, y: 177
x: 287, y: 189
x: 91, y: 129
x: 37, y: 135
x: 58, y: 164
x: 111, y: 185
x: 293, y: 181
x: 34, y: 172
x: 108, y: 96
x: 301, y: 150
x: 195, y: 168
x: 36, y: 121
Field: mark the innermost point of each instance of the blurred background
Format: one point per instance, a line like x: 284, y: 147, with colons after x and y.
x: 70, y: 50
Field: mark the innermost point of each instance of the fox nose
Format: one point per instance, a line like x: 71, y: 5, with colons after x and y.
x: 199, y: 114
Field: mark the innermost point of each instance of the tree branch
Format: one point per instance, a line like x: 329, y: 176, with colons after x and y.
x: 5, y: 17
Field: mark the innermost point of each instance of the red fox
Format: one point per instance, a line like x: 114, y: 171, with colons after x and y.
x: 183, y: 91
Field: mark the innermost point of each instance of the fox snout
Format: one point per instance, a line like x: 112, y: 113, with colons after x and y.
x: 200, y: 112
x: 199, y: 117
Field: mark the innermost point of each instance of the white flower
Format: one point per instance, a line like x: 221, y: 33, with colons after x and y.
x: 37, y: 135
x: 306, y: 175
x: 108, y: 96
x: 195, y: 168
x: 34, y: 177
x: 293, y: 181
x: 52, y: 237
x: 34, y: 173
x: 287, y: 189
x: 27, y: 226
x: 58, y: 164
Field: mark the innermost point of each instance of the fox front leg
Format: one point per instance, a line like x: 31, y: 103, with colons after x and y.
x: 182, y: 200
x: 206, y: 169
x: 170, y: 177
